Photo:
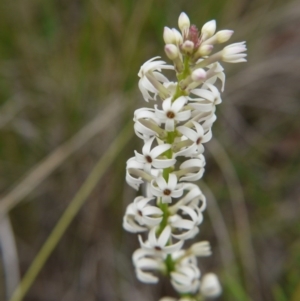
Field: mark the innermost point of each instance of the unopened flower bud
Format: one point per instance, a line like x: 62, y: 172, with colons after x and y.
x: 171, y: 51
x: 208, y: 29
x: 223, y: 36
x: 169, y: 36
x: 183, y: 22
x: 210, y: 285
x: 187, y: 47
x: 198, y: 75
x: 204, y: 50
x: 178, y: 36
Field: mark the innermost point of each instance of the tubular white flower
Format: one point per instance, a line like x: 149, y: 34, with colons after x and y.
x: 208, y: 99
x: 143, y: 213
x: 194, y: 196
x: 149, y: 157
x: 234, y: 53
x: 150, y: 79
x: 185, y: 279
x: 167, y: 191
x: 201, y: 248
x: 186, y: 228
x: 172, y: 113
x: 146, y: 263
x: 191, y: 170
x: 210, y: 286
x: 134, y: 182
x: 161, y: 244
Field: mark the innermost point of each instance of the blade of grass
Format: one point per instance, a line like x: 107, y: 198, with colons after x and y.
x: 240, y: 216
x: 79, y: 199
x: 44, y: 168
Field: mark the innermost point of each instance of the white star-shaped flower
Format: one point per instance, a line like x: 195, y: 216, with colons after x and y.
x: 172, y: 112
x: 161, y: 244
x: 197, y: 136
x: 140, y: 214
x: 149, y: 157
x: 145, y: 263
x: 167, y: 191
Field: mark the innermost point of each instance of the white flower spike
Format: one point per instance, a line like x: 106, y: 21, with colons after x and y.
x: 173, y: 133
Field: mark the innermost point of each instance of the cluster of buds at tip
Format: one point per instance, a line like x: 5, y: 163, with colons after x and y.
x: 174, y: 133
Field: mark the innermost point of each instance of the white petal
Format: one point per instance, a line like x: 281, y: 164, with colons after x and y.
x: 164, y: 236
x: 166, y: 105
x: 147, y: 146
x: 172, y: 182
x: 174, y: 248
x: 163, y: 163
x: 146, y: 277
x: 187, y: 132
x: 158, y: 150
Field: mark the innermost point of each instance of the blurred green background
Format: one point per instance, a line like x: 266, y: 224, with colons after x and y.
x: 67, y: 64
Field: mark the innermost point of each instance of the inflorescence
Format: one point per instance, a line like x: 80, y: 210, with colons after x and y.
x: 173, y: 133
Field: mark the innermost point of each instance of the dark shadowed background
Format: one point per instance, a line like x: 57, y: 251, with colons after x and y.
x: 68, y: 85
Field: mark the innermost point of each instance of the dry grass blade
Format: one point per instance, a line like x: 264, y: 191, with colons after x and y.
x: 9, y: 257
x: 240, y: 216
x: 43, y: 169
x: 221, y: 231
x: 71, y: 211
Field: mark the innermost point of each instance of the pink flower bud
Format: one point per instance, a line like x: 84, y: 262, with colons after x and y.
x: 198, y: 75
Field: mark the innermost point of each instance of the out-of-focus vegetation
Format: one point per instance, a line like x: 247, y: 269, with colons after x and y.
x: 65, y: 63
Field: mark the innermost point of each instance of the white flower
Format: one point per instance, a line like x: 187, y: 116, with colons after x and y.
x: 208, y: 99
x: 167, y: 191
x: 132, y: 165
x: 191, y: 170
x: 233, y: 53
x: 197, y: 136
x: 216, y: 72
x: 194, y: 196
x: 146, y: 263
x: 140, y: 213
x: 147, y: 124
x: 161, y: 244
x: 172, y: 112
x: 150, y: 80
x: 185, y: 279
x: 210, y: 286
x: 201, y: 248
x: 186, y: 228
x: 149, y: 157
